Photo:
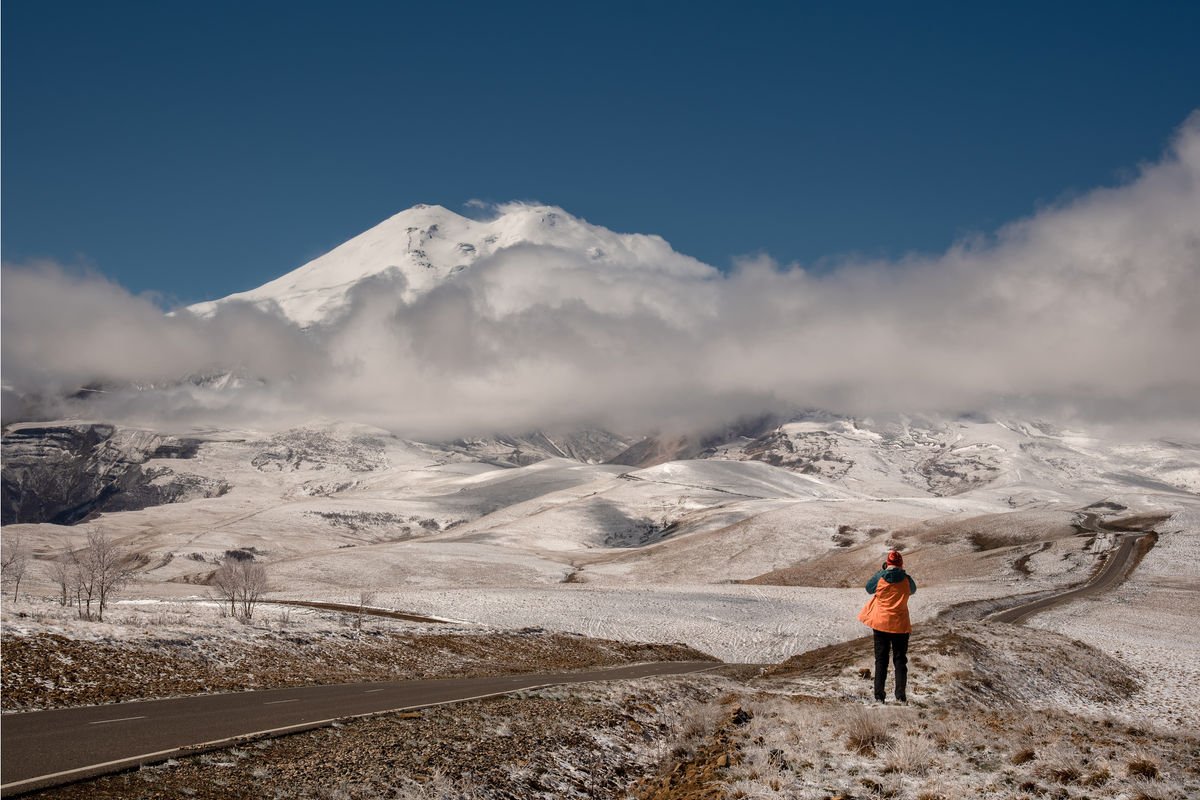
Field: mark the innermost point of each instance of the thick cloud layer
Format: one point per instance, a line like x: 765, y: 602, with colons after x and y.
x: 1088, y: 309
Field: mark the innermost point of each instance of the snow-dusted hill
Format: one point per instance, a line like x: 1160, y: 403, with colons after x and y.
x: 426, y: 245
x: 756, y: 551
x: 320, y: 499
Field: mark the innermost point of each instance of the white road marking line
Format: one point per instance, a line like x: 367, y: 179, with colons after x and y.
x: 277, y: 702
x: 118, y: 719
x: 373, y: 691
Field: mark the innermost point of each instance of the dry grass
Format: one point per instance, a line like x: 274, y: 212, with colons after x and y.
x: 865, y: 727
x: 1059, y: 763
x: 913, y: 755
x: 1142, y: 768
x: 981, y: 727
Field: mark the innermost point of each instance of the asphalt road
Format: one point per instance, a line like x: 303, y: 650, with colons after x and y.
x: 47, y: 748
x: 1109, y: 578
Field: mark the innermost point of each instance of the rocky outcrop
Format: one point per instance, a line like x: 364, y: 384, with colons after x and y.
x: 661, y: 448
x: 61, y: 473
x: 589, y: 446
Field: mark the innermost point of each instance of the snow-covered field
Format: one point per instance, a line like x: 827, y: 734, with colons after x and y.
x: 1149, y: 624
x: 980, y: 509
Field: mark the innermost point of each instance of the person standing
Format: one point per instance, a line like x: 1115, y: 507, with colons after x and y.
x: 887, y: 615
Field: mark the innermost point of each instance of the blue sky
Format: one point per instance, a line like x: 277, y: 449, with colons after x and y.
x: 197, y: 149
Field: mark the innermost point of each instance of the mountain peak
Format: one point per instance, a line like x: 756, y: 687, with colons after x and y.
x: 428, y: 244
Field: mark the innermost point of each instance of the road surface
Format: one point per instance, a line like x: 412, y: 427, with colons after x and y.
x: 1114, y: 572
x: 47, y: 748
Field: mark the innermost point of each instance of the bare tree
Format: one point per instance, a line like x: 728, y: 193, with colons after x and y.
x: 253, y: 586
x: 64, y: 571
x: 102, y: 568
x: 242, y: 583
x: 224, y: 581
x: 14, y: 560
x: 365, y: 598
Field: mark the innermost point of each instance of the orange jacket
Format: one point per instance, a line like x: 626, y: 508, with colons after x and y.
x: 887, y: 610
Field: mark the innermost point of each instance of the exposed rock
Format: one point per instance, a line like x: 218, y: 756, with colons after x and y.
x: 812, y: 454
x: 304, y: 449
x: 61, y: 473
x: 589, y: 446
x: 659, y: 449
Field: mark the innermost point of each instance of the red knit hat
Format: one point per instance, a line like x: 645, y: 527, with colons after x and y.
x: 894, y: 559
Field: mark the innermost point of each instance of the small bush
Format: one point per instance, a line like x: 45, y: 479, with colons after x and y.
x: 950, y: 733
x: 1023, y: 756
x: 697, y: 722
x: 1060, y: 764
x: 912, y: 755
x: 865, y: 729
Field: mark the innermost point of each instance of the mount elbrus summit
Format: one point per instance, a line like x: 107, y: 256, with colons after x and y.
x: 426, y: 246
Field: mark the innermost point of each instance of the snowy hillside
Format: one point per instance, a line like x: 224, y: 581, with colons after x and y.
x: 424, y: 246
x: 755, y: 552
x: 338, y: 505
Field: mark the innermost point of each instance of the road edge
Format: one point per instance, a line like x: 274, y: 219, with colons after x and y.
x: 17, y: 788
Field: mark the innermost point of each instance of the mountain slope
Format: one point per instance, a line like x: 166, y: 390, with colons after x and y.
x: 426, y: 245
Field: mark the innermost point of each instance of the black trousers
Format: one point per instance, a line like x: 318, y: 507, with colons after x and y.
x: 898, y: 644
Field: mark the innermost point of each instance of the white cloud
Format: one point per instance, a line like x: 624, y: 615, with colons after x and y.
x: 1086, y: 308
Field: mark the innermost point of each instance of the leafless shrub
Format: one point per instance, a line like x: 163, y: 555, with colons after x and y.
x: 102, y: 568
x: 14, y: 560
x: 242, y: 584
x: 62, y: 573
x: 365, y: 598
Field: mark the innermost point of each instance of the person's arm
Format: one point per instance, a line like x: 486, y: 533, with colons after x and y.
x: 871, y: 584
x: 912, y: 586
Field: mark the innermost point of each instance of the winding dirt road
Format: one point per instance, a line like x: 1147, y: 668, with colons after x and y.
x: 1117, y: 568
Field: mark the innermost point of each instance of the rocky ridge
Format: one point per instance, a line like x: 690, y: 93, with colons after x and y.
x: 61, y: 473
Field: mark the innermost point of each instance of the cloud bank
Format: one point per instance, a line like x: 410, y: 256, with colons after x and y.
x: 1085, y: 310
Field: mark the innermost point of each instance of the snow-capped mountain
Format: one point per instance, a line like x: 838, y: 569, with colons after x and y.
x: 427, y: 244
